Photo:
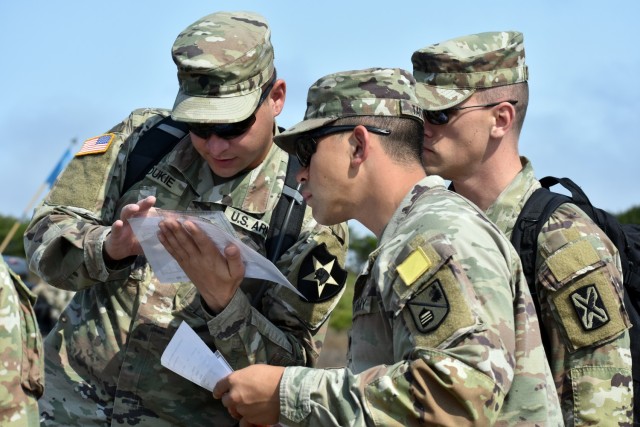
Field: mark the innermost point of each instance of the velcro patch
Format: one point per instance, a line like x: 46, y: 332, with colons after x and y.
x: 320, y: 277
x: 414, y: 266
x: 96, y: 145
x: 246, y: 221
x: 166, y: 180
x: 589, y: 311
x: 429, y: 308
x: 438, y: 311
x: 572, y: 258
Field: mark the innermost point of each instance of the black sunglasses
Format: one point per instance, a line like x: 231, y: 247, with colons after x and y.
x: 306, y: 144
x: 441, y: 117
x: 230, y: 130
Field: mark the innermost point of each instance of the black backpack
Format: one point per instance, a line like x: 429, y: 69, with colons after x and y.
x: 286, y: 220
x: 626, y: 237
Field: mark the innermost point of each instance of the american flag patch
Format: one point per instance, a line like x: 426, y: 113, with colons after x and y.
x: 97, y: 144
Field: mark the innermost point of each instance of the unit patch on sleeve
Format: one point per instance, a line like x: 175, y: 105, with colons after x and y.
x: 96, y: 145
x: 588, y: 311
x: 320, y: 276
x: 590, y: 308
x: 430, y: 307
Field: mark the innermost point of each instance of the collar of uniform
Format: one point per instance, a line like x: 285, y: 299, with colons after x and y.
x: 254, y: 192
x: 505, y: 209
x: 404, y: 208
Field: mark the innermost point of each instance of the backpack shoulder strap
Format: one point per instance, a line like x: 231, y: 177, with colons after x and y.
x: 535, y: 213
x: 286, y: 220
x: 152, y: 146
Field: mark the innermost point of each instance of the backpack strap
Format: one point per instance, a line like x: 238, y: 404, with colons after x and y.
x: 286, y: 220
x: 152, y: 146
x: 535, y: 213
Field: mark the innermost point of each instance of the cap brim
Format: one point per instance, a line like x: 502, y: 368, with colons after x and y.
x: 287, y: 139
x: 439, y: 98
x: 201, y: 109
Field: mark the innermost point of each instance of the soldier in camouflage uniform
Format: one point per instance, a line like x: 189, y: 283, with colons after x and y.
x: 444, y: 328
x: 22, y: 372
x: 103, y: 358
x: 475, y: 92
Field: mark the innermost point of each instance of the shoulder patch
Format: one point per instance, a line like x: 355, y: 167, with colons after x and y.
x: 96, y: 145
x: 589, y: 307
x: 439, y: 312
x: 320, y: 276
x: 430, y: 307
x: 589, y: 311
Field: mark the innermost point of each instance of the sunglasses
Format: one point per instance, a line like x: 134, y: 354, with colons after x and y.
x: 441, y: 117
x: 229, y: 130
x: 306, y: 144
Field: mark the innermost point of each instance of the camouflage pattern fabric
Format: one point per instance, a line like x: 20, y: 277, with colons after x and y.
x: 591, y: 366
x: 223, y: 61
x: 449, y: 72
x: 22, y: 373
x: 368, y: 92
x: 444, y: 330
x: 49, y: 305
x: 103, y: 365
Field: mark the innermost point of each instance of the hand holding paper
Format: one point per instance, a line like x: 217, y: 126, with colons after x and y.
x: 216, y: 273
x: 216, y: 227
x: 188, y: 356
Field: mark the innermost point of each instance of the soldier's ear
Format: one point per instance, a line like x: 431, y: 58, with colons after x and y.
x: 277, y: 96
x: 359, y: 141
x: 504, y: 115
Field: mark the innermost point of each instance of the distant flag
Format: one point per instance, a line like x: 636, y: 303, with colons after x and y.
x: 66, y: 156
x: 59, y: 166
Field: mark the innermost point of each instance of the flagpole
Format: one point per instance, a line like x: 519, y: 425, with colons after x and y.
x: 48, y: 182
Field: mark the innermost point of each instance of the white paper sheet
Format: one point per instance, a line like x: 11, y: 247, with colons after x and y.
x: 188, y: 356
x: 217, y: 227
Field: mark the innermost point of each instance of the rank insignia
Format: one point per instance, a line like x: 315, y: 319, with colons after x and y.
x: 320, y: 276
x: 430, y: 307
x: 589, y: 307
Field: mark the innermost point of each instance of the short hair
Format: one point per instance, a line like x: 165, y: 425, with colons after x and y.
x: 403, y: 144
x: 516, y: 91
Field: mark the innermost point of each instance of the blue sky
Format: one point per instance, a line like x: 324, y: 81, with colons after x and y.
x: 73, y: 69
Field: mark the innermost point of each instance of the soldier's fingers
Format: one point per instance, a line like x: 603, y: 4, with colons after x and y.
x: 146, y: 203
x: 234, y: 262
x: 176, y: 239
x: 221, y: 387
x: 231, y: 408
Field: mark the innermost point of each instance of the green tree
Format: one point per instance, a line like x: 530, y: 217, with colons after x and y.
x: 360, y: 247
x: 16, y: 245
x: 631, y: 216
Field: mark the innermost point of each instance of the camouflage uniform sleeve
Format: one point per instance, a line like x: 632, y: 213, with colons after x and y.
x: 22, y: 373
x: 579, y: 281
x: 288, y: 330
x: 439, y: 372
x: 64, y: 239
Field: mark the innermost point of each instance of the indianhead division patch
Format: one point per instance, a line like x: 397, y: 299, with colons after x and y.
x: 589, y: 307
x: 429, y: 307
x: 96, y: 145
x: 320, y: 276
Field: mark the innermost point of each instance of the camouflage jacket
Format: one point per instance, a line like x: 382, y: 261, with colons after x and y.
x: 22, y: 373
x: 579, y: 287
x: 444, y: 330
x: 104, y: 355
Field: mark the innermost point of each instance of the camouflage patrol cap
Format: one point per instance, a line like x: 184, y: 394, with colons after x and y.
x: 449, y: 72
x: 368, y: 92
x: 223, y: 61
